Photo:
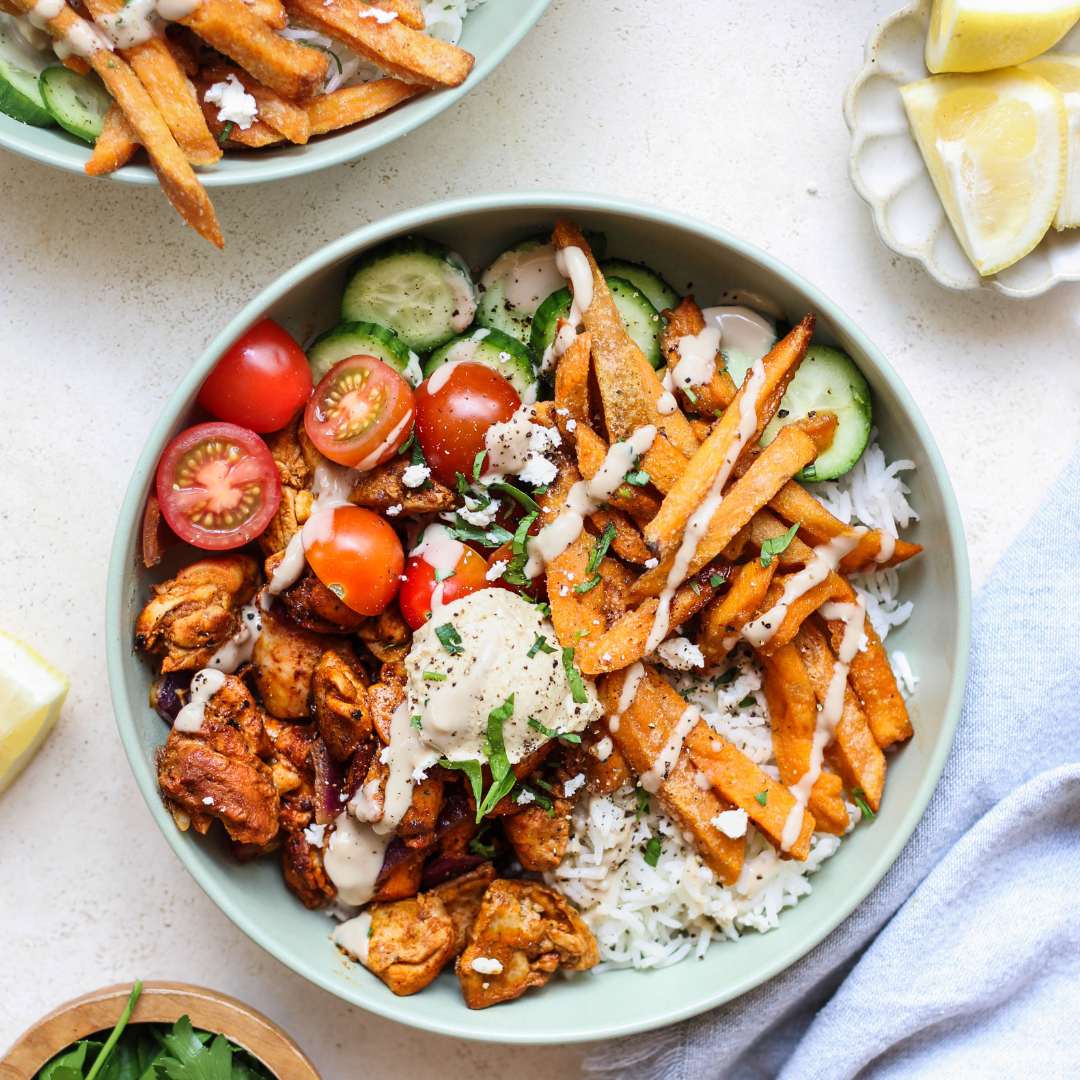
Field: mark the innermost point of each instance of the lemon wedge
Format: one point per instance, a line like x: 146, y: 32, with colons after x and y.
x: 996, y: 147
x: 31, y: 693
x: 1063, y: 72
x: 978, y: 35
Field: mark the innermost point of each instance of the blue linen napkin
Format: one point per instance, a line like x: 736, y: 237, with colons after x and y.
x: 965, y: 960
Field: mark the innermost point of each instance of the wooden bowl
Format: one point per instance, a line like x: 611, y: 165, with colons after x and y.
x: 159, y: 1002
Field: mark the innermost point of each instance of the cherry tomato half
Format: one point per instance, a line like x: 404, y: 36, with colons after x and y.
x: 218, y: 486
x: 260, y: 382
x: 360, y: 413
x: 454, y: 409
x: 358, y: 557
x: 415, y: 597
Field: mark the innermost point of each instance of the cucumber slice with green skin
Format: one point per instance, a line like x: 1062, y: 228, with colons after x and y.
x: 414, y: 286
x: 641, y: 319
x: 515, y: 285
x: 78, y: 103
x: 20, y: 66
x: 363, y: 339
x: 827, y: 381
x: 496, y: 349
x: 657, y: 291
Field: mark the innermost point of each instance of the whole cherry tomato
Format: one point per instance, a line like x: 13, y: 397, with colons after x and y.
x: 466, y: 575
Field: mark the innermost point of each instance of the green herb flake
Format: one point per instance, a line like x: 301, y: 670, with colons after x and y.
x: 652, y: 850
x: 526, y: 500
x: 416, y: 720
x: 434, y: 676
x: 588, y: 584
x: 471, y: 768
x: 747, y: 701
x: 450, y: 638
x: 577, y: 687
x: 540, y: 645
x: 442, y: 575
x: 600, y: 548
x: 226, y: 131
x: 478, y: 847
x: 859, y: 796
x: 716, y: 580
x: 639, y: 478
x: 501, y: 773
x: 642, y: 797
x: 691, y: 395
x: 763, y: 797
x: 727, y: 678
x: 696, y: 587
x: 777, y: 544
x: 477, y: 465
x: 408, y: 442
x: 579, y: 634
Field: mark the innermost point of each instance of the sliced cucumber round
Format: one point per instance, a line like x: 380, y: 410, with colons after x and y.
x: 641, y: 319
x: 496, y: 349
x: 414, y: 286
x: 516, y: 283
x: 658, y: 292
x: 363, y: 339
x: 78, y: 103
x: 20, y: 67
x: 827, y: 381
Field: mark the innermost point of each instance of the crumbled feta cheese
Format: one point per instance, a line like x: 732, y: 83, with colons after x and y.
x: 495, y: 571
x: 314, y: 834
x: 732, y: 823
x: 564, y: 590
x: 515, y: 446
x: 478, y: 515
x: 651, y: 564
x: 538, y: 470
x: 393, y: 511
x: 235, y: 104
x: 380, y: 16
x: 208, y: 801
x: 419, y: 774
x: 415, y: 475
x: 680, y: 654
x: 571, y: 425
x: 525, y: 798
x: 573, y: 784
x: 384, y: 756
x: 487, y: 965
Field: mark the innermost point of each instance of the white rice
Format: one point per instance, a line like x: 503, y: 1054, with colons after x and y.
x: 653, y: 916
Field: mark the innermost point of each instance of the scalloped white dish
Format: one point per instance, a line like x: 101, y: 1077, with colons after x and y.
x: 887, y: 170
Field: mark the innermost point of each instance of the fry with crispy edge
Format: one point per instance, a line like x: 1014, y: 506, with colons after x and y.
x: 230, y: 27
x: 272, y: 12
x: 393, y: 47
x: 795, y: 445
x: 872, y: 678
x: 854, y: 754
x: 273, y: 110
x: 175, y: 175
x: 352, y: 104
x: 591, y: 454
x: 115, y: 146
x: 724, y: 616
x: 572, y: 387
x: 793, y: 711
x: 644, y: 730
x: 408, y: 12
x: 629, y: 388
x: 799, y: 609
x: 720, y: 391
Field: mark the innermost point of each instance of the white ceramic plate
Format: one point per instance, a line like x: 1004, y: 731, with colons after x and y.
x: 887, y: 169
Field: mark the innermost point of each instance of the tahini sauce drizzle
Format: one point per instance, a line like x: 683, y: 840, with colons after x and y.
x: 631, y: 682
x: 354, y: 857
x: 741, y: 329
x: 238, y: 649
x: 574, y: 265
x: 653, y: 777
x: 204, y: 686
x: 530, y: 277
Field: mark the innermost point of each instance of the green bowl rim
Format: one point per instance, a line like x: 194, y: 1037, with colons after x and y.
x: 261, y: 168
x: 117, y: 643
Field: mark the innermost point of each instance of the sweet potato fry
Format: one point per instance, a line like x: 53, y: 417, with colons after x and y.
x: 629, y: 388
x: 793, y: 710
x: 799, y: 609
x: 793, y: 447
x: 740, y: 781
x: 572, y: 386
x: 274, y: 111
x: 606, y: 767
x: 272, y: 12
x: 644, y: 730
x: 408, y: 12
x: 353, y: 104
x: 591, y: 452
x: 76, y: 64
x: 718, y: 454
x: 702, y: 429
x: 115, y: 146
x: 628, y: 543
x: 724, y: 616
x: 720, y: 391
x: 664, y: 462
x: 765, y: 526
x: 872, y: 678
x: 232, y: 28
x: 393, y: 47
x: 855, y: 754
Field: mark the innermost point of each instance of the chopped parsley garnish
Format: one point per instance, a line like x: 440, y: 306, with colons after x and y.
x: 577, y: 687
x: 522, y: 497
x: 777, y: 544
x: 407, y: 443
x: 514, y: 573
x: 501, y: 774
x: 540, y: 645
x: 859, y: 796
x: 696, y: 587
x: 747, y: 701
x: 542, y: 783
x: 600, y: 548
x: 492, y: 536
x: 226, y: 131
x: 321, y: 48
x: 639, y: 478
x: 579, y: 634
x: 809, y: 472
x: 450, y: 638
x: 642, y: 797
x: 415, y: 721
x: 727, y: 677
x: 690, y: 394
x: 588, y: 584
x: 568, y: 736
x: 477, y: 464
x: 652, y: 850
x: 435, y: 676
x: 477, y: 847
x: 716, y: 580
x: 763, y: 797
x: 442, y: 575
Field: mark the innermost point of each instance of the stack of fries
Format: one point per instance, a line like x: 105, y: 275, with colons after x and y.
x: 604, y: 383
x: 159, y: 86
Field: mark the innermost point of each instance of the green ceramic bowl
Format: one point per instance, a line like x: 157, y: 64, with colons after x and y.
x: 936, y: 640
x: 490, y: 32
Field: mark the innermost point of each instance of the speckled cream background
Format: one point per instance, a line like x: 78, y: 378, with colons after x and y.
x: 711, y: 107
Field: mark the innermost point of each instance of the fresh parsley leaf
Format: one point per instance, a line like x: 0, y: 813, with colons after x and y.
x: 639, y: 478
x: 477, y: 465
x: 434, y: 676
x: 859, y: 796
x: 696, y: 587
x: 727, y: 677
x: 67, y: 1065
x: 450, y: 638
x: 417, y: 457
x: 522, y: 533
x: 542, y: 783
x: 600, y: 548
x: 777, y: 544
x: 588, y: 584
x: 716, y: 580
x: 526, y: 500
x: 226, y: 131
x: 642, y: 797
x: 492, y: 536
x: 763, y: 797
x: 569, y: 736
x: 577, y: 687
x: 190, y: 1059
x: 540, y: 645
x: 478, y: 847
x: 498, y: 762
x: 747, y: 701
x: 579, y: 634
x: 652, y: 850
x: 68, y: 1062
x: 472, y: 770
x: 417, y: 721
x: 407, y: 443
x: 693, y: 400
x: 442, y: 575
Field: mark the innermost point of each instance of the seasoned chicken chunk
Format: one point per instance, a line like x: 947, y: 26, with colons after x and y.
x: 383, y: 487
x: 522, y: 933
x: 539, y: 840
x: 216, y: 772
x: 461, y: 897
x: 387, y: 636
x: 190, y: 617
x: 342, y: 712
x: 311, y: 604
x: 302, y: 866
x: 409, y: 943
x: 296, y: 459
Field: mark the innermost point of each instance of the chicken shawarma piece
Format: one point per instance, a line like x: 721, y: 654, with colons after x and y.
x: 539, y: 839
x: 409, y: 942
x: 189, y: 617
x: 522, y: 933
x: 461, y: 897
x: 342, y: 712
x: 387, y: 636
x: 302, y: 867
x: 383, y: 488
x: 218, y: 771
x: 296, y: 458
x: 311, y: 604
